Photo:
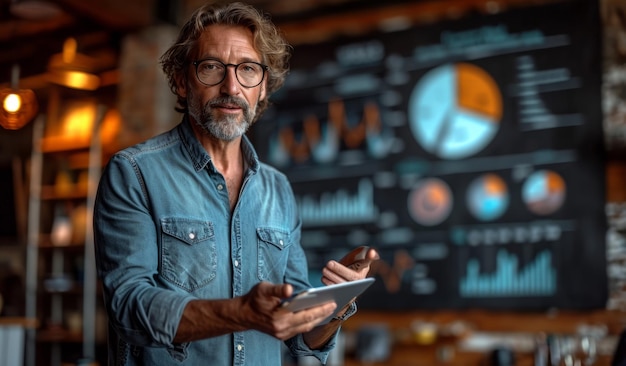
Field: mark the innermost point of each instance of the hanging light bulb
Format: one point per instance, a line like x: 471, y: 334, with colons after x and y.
x: 19, y: 106
x: 12, y: 103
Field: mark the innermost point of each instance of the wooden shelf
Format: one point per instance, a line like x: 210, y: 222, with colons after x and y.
x: 50, y: 193
x: 79, y: 160
x: 63, y: 172
x: 76, y: 289
x: 46, y: 243
x: 64, y: 144
x: 59, y: 335
x: 19, y: 321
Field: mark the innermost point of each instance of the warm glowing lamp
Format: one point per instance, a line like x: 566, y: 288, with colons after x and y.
x: 19, y: 106
x: 69, y: 71
x: 12, y: 103
x: 74, y: 79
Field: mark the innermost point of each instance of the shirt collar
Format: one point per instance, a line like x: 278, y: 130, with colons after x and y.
x: 200, y: 158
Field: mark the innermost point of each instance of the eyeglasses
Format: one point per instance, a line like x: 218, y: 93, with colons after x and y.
x: 212, y: 72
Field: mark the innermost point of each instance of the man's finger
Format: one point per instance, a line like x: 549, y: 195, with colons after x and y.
x: 281, y: 291
x: 316, y: 314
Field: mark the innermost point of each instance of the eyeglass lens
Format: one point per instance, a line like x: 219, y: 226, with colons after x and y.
x: 211, y: 72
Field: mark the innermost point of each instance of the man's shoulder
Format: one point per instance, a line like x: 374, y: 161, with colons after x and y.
x: 272, y: 171
x: 152, y: 145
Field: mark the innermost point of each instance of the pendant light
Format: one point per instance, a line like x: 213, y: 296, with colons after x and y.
x: 71, y: 69
x: 19, y: 106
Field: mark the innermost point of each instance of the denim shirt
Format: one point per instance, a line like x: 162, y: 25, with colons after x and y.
x: 165, y: 235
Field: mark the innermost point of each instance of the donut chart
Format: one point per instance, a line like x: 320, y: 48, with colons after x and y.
x: 455, y: 110
x: 430, y: 202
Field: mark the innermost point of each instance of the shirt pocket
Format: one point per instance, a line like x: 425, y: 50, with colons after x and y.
x: 188, y: 255
x: 273, y: 252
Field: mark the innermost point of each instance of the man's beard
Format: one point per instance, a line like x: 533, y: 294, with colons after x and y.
x: 226, y: 128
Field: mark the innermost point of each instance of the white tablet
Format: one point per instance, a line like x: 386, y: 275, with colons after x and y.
x: 340, y: 293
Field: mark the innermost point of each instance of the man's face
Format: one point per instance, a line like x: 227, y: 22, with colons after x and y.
x: 225, y: 110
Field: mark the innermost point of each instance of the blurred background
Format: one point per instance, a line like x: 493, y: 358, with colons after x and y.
x: 478, y: 145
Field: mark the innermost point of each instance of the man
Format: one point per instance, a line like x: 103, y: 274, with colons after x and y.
x: 197, y: 242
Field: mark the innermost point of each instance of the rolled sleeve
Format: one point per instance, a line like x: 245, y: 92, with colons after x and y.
x: 298, y: 348
x: 126, y: 259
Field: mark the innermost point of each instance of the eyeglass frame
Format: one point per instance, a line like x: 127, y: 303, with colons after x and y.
x: 264, y: 69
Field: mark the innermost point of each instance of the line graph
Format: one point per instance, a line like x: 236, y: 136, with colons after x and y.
x: 392, y: 274
x: 320, y: 139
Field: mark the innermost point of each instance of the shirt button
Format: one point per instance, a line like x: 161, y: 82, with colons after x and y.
x: 239, y: 347
x: 236, y: 263
x: 220, y: 187
x: 280, y: 242
x: 192, y: 236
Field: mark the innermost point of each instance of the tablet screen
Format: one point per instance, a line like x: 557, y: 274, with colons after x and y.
x: 340, y: 293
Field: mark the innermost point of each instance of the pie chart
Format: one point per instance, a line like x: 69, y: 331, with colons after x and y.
x: 544, y: 192
x: 487, y: 197
x: 455, y: 110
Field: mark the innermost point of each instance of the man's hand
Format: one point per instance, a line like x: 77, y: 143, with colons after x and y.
x: 261, y: 310
x: 353, y: 266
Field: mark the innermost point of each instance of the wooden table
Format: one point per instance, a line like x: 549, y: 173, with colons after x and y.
x: 406, y: 349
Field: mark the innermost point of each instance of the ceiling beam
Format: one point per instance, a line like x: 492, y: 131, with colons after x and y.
x: 119, y: 15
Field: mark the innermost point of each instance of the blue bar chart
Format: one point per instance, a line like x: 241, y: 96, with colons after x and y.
x: 339, y: 207
x: 537, y: 278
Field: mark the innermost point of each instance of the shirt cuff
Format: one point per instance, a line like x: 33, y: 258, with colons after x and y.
x: 349, y: 312
x: 298, y: 348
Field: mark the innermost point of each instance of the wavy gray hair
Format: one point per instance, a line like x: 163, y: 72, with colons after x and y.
x: 273, y: 48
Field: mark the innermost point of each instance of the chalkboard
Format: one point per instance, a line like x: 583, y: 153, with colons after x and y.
x: 469, y: 153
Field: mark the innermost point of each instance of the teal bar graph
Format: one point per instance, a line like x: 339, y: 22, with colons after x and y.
x: 339, y: 207
x: 537, y: 278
